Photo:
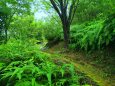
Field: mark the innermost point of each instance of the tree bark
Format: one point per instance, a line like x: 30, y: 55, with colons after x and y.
x: 66, y: 31
x: 66, y: 11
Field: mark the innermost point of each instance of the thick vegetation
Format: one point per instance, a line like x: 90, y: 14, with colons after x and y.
x: 93, y: 35
x: 23, y: 39
x: 25, y: 65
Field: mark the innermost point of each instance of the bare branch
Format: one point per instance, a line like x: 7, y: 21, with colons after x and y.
x: 74, y: 10
x: 55, y: 7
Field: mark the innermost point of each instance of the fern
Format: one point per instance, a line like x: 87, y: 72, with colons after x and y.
x: 30, y: 67
x: 94, y: 35
x: 30, y: 70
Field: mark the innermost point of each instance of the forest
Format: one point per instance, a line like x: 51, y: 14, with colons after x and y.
x: 57, y: 42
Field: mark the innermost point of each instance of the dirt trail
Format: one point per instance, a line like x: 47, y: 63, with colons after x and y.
x: 94, y: 73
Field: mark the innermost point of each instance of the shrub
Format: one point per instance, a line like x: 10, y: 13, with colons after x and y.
x: 86, y: 35
x: 37, y: 73
x: 18, y: 48
x: 93, y: 35
x: 24, y: 65
x: 108, y: 30
x: 50, y: 29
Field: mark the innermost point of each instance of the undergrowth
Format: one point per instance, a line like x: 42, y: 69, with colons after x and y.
x: 22, y: 64
x: 93, y: 35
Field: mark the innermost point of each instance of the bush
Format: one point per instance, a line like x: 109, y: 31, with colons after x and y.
x: 50, y: 29
x: 36, y: 72
x: 24, y: 28
x: 22, y: 64
x: 93, y: 35
x: 17, y: 48
x: 108, y: 30
x: 86, y: 35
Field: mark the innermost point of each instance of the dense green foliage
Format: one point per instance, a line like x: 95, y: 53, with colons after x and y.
x: 91, y: 9
x: 8, y: 9
x: 22, y: 39
x: 28, y: 31
x: 51, y: 30
x: 93, y: 35
x: 25, y: 65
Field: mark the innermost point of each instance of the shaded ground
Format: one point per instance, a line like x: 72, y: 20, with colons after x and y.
x: 90, y: 67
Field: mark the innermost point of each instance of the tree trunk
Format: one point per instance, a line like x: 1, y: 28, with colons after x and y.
x: 66, y: 31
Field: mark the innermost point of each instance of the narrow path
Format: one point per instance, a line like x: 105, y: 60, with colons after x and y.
x: 91, y: 71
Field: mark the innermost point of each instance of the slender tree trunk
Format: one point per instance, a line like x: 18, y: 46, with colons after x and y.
x: 66, y: 31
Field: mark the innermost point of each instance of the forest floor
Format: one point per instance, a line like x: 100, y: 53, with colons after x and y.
x: 82, y: 64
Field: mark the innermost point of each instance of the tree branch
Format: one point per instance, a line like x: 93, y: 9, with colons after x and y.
x: 55, y: 7
x: 74, y: 10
